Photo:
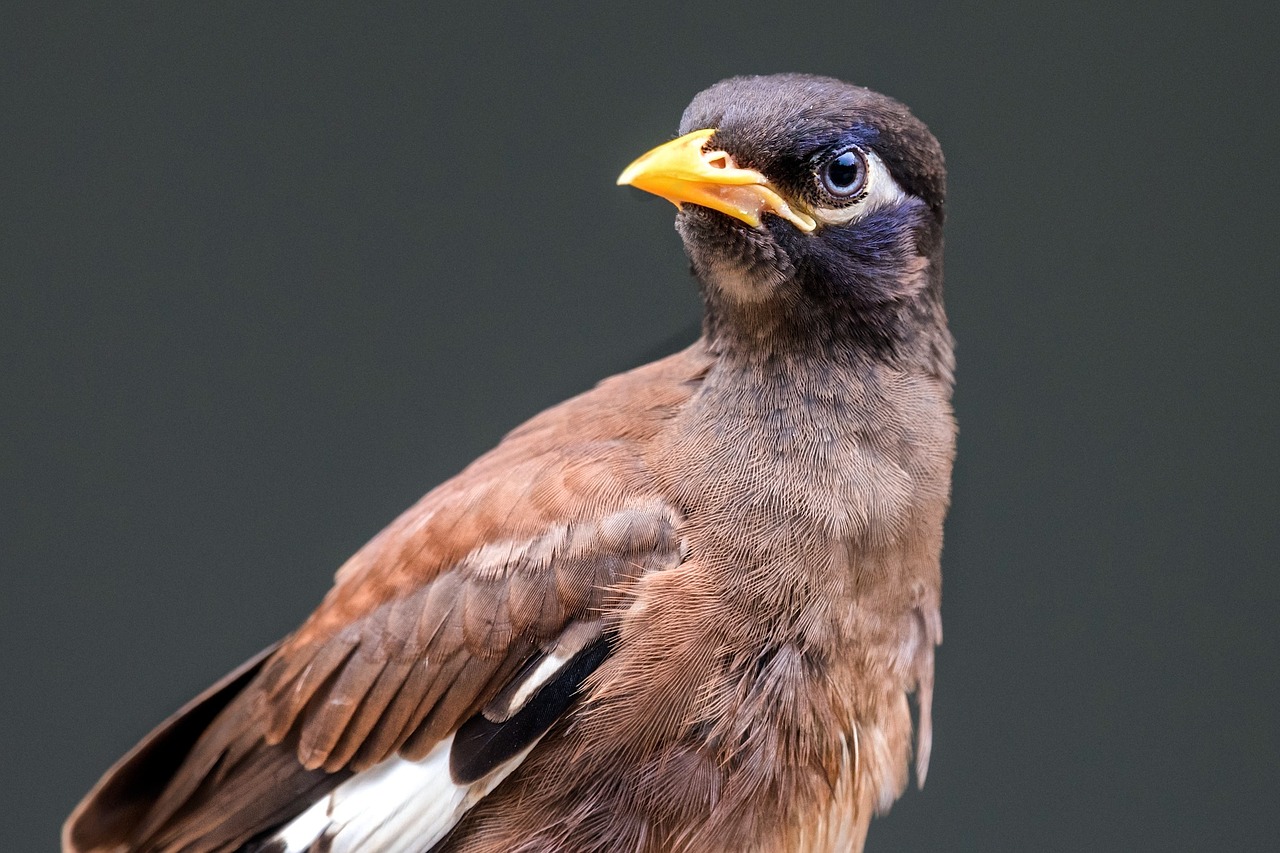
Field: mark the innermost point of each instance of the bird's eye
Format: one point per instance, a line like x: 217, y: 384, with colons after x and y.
x: 845, y: 175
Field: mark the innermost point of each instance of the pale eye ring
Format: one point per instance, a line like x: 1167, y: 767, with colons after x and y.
x: 844, y: 175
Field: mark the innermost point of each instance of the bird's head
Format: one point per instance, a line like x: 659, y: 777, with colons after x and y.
x: 808, y: 208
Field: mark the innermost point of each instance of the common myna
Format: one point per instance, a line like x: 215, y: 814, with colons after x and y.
x: 680, y: 612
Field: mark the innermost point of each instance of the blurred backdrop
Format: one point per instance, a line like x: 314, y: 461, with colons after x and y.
x: 269, y: 274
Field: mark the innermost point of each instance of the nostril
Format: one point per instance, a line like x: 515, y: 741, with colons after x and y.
x: 719, y: 160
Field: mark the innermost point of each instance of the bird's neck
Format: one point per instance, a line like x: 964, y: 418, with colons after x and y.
x: 796, y: 335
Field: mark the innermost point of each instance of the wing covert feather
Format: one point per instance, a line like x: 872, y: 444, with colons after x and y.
x: 429, y: 621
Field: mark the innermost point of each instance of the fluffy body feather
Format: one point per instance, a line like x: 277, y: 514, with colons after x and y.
x: 680, y: 612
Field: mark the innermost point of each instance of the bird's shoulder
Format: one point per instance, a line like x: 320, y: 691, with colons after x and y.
x: 577, y: 466
x: 450, y: 611
x: 492, y: 563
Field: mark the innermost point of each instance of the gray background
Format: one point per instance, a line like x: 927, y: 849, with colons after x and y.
x: 268, y: 275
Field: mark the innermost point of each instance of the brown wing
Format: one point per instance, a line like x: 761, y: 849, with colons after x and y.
x: 425, y: 624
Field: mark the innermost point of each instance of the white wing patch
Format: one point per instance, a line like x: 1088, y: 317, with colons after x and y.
x: 573, y: 639
x: 550, y: 665
x: 402, y: 806
x: 398, y: 806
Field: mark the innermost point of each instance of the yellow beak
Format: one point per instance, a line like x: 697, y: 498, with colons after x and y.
x: 682, y: 172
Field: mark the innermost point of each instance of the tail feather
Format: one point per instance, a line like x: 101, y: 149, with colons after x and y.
x: 123, y: 811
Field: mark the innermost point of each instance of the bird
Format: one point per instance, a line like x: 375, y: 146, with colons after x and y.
x: 686, y: 610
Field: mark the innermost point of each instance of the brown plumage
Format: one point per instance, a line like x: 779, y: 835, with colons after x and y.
x: 735, y: 548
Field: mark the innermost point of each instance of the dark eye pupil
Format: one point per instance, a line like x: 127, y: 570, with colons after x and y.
x: 844, y: 174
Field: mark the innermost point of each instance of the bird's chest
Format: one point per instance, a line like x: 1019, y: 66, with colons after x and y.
x: 844, y: 464
x: 815, y: 513
x: 811, y: 519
